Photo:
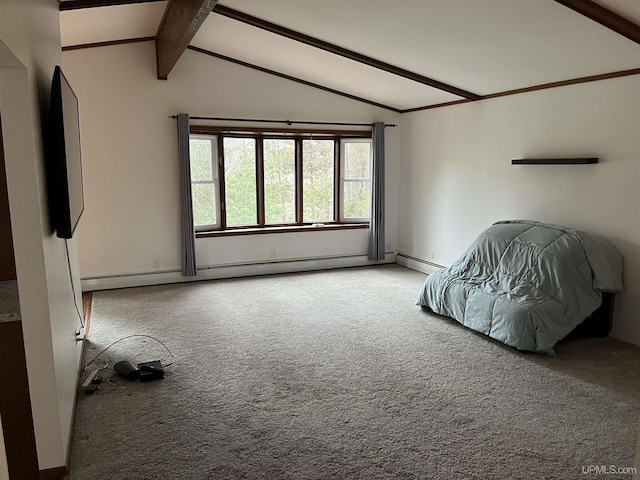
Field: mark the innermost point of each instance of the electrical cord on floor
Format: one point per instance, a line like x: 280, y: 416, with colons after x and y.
x: 112, y: 385
x: 124, y: 338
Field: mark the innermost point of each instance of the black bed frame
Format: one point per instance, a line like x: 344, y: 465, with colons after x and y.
x: 598, y: 324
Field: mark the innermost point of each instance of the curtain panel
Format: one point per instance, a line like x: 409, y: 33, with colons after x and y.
x: 376, y: 241
x: 187, y: 234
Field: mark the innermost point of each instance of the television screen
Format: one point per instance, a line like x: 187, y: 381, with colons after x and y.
x: 67, y: 195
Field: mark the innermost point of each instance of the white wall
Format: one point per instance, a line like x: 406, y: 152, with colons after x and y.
x: 30, y: 48
x: 131, y: 220
x: 457, y: 176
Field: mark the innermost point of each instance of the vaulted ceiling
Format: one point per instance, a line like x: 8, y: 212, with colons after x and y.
x: 401, y: 54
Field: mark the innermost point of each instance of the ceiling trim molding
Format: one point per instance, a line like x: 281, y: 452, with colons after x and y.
x: 437, y: 105
x: 604, y: 17
x: 335, y: 49
x: 109, y: 43
x: 78, y: 4
x: 294, y: 79
x: 180, y: 23
x: 564, y: 83
x: 544, y: 86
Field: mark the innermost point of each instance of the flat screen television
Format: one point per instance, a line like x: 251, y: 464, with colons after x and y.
x: 65, y: 162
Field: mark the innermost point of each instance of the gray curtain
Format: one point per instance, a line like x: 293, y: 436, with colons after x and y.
x: 187, y: 234
x: 376, y: 242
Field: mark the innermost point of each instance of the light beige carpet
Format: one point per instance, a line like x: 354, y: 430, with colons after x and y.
x: 339, y: 375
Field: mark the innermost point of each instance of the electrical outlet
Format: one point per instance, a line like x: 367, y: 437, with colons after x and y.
x: 156, y: 263
x: 432, y: 254
x: 273, y: 253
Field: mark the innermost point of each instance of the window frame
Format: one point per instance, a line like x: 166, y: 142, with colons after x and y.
x: 336, y: 173
x: 298, y: 135
x: 215, y: 174
x: 344, y: 179
x: 223, y: 198
x: 296, y: 191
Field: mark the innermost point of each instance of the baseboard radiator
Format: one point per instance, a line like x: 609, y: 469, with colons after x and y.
x: 233, y: 270
x: 416, y: 263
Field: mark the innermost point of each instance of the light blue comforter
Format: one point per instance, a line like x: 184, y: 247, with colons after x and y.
x: 524, y: 283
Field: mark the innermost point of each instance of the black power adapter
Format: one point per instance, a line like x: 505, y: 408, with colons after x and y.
x: 151, y: 371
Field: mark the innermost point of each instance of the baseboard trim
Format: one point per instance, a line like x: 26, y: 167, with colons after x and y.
x: 416, y: 263
x: 56, y: 473
x: 216, y: 272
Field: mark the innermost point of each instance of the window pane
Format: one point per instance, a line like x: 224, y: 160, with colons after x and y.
x: 356, y: 159
x: 357, y: 199
x: 240, y: 181
x: 279, y: 181
x: 317, y: 178
x: 200, y: 158
x: 203, y: 197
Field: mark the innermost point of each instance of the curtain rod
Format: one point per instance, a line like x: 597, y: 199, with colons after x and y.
x: 288, y: 122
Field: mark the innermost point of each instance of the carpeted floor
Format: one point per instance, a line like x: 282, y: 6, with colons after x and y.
x: 338, y: 375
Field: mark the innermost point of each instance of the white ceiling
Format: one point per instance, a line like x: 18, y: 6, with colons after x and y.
x: 104, y: 24
x: 482, y: 46
x: 220, y: 34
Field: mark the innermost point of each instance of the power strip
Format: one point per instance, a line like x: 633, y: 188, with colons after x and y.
x: 90, y: 378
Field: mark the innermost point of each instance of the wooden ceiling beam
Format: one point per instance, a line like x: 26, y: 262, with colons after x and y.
x: 78, y: 4
x: 181, y: 21
x: 605, y: 17
x: 331, y: 48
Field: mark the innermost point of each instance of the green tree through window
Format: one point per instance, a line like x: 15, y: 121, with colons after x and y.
x: 279, y: 181
x: 356, y: 179
x: 240, y: 181
x: 317, y: 184
x: 204, y: 181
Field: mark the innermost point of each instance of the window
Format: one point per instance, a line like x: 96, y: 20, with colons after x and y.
x: 356, y: 180
x: 279, y: 180
x: 318, y: 180
x: 240, y: 181
x: 258, y: 179
x: 204, y: 182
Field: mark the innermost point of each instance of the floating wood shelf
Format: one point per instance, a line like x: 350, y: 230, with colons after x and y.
x: 554, y: 161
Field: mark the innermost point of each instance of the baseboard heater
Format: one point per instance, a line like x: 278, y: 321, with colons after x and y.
x: 231, y: 270
x: 420, y: 260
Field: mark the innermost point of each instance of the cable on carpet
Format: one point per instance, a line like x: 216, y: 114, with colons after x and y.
x: 124, y: 338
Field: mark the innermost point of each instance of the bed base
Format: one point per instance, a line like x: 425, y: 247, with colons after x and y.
x: 598, y: 324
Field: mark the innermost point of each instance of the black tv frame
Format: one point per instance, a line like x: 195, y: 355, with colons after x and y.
x: 65, y: 162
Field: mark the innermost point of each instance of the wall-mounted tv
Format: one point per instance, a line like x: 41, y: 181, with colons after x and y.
x: 64, y: 171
